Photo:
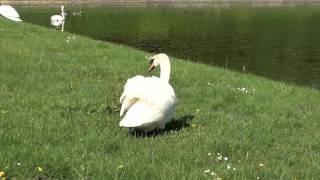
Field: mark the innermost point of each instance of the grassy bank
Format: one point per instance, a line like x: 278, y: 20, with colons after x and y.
x: 59, y: 116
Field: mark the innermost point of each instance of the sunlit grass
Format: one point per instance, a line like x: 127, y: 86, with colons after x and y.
x: 59, y: 116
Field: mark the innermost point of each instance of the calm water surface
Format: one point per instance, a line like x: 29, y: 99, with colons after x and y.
x: 277, y: 43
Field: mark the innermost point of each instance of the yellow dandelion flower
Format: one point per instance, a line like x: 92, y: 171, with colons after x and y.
x: 261, y: 165
x: 121, y: 166
x: 193, y: 125
x: 39, y: 169
x: 2, y: 173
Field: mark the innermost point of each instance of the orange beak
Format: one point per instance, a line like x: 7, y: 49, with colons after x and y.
x: 151, y: 67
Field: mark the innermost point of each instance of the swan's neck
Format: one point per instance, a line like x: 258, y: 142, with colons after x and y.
x: 165, y: 70
x: 62, y: 13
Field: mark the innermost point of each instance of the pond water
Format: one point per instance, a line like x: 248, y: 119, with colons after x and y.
x: 280, y: 43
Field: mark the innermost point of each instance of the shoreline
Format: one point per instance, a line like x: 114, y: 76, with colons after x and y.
x: 163, y: 3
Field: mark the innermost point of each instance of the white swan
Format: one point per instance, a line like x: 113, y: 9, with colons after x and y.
x: 10, y: 13
x: 57, y: 20
x: 148, y: 102
x: 79, y: 13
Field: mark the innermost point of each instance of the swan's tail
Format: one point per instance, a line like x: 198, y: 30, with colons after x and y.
x: 140, y: 114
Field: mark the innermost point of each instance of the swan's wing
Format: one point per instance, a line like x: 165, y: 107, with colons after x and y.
x: 162, y: 93
x: 133, y: 91
x: 126, y: 104
x: 56, y: 18
x: 145, y: 101
x: 151, y: 89
x: 9, y: 12
x: 141, y: 114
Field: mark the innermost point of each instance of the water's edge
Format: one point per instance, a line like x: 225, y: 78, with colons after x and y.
x: 165, y: 3
x: 251, y: 40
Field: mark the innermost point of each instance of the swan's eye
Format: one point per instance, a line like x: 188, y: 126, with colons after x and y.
x: 151, y: 61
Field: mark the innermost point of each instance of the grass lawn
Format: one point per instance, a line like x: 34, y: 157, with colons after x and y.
x: 59, y: 115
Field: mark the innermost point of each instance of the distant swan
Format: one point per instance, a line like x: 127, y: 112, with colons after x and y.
x: 57, y: 20
x: 148, y: 102
x: 10, y: 13
x: 79, y: 13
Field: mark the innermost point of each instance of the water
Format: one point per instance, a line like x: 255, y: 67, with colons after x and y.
x: 280, y: 43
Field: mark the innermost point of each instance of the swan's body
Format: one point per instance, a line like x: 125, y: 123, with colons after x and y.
x: 10, y: 13
x: 79, y: 13
x: 148, y: 102
x: 57, y: 20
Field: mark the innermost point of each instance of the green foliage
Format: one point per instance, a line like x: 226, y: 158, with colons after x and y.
x: 59, y: 116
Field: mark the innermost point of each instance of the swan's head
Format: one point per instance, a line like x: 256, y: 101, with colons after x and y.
x: 156, y: 60
x: 62, y: 8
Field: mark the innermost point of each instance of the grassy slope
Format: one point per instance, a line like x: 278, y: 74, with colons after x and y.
x: 59, y: 110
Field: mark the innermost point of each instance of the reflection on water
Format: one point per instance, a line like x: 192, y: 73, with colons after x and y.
x: 278, y: 43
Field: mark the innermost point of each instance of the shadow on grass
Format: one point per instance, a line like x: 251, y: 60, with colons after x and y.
x: 172, y: 127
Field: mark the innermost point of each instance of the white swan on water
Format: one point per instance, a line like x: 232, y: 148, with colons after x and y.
x: 148, y: 102
x: 9, y: 12
x: 57, y: 20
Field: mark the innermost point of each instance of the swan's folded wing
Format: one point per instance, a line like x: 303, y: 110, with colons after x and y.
x: 162, y: 93
x: 133, y: 91
x: 151, y: 90
x: 126, y: 104
x: 140, y: 114
x: 9, y: 12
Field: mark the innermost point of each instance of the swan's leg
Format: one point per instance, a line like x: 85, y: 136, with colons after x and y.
x: 131, y: 131
x: 153, y: 133
x: 162, y: 128
x: 160, y: 131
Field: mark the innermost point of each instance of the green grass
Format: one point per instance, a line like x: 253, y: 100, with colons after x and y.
x: 59, y: 111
